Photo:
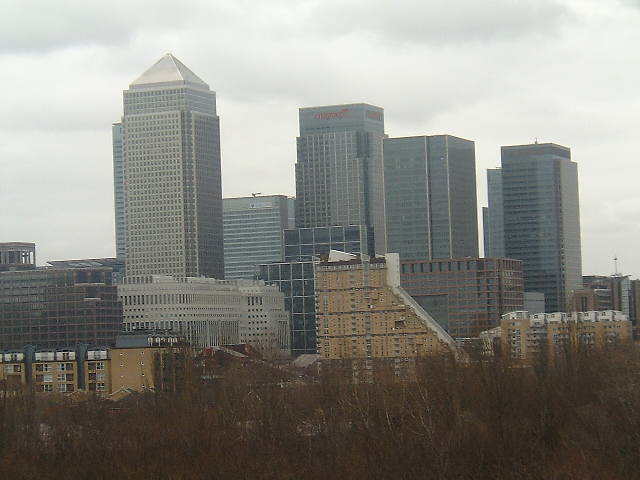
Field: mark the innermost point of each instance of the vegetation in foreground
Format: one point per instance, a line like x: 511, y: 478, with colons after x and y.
x: 578, y: 419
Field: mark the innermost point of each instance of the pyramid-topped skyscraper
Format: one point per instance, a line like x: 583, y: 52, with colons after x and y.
x: 169, y: 69
x: 167, y: 175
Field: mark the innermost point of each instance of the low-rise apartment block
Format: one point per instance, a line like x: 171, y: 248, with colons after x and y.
x: 139, y: 362
x: 97, y: 372
x: 525, y: 337
x: 55, y: 371
x: 12, y: 370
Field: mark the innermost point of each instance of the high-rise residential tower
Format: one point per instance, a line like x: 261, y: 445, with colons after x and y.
x: 430, y: 197
x: 253, y: 229
x: 542, y: 219
x: 339, y: 170
x: 172, y: 181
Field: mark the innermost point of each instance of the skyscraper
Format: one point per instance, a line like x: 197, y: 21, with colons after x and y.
x: 542, y: 219
x: 118, y: 189
x: 339, y: 170
x: 430, y: 197
x: 493, y: 224
x: 253, y: 229
x: 172, y: 180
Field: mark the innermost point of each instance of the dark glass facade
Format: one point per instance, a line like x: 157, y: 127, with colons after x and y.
x: 58, y: 308
x: 295, y: 280
x: 301, y: 244
x: 493, y: 222
x: 430, y: 197
x: 294, y: 276
x: 339, y: 170
x: 467, y: 295
x: 542, y: 219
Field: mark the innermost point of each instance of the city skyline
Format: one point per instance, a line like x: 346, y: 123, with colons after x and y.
x: 60, y: 154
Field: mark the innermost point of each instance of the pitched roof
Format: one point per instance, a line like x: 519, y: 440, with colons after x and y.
x: 168, y: 69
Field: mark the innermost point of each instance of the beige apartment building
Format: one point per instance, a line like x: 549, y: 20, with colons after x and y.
x: 139, y: 363
x: 525, y: 337
x: 363, y: 313
x: 12, y: 370
x: 97, y: 372
x: 55, y: 371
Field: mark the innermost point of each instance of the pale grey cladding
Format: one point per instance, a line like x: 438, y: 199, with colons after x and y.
x: 339, y: 169
x: 172, y: 178
x: 430, y: 189
x: 206, y: 311
x: 118, y: 189
x: 253, y: 229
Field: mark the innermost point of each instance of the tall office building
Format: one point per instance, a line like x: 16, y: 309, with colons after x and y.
x: 542, y: 219
x: 172, y: 181
x: 253, y: 235
x: 118, y: 189
x: 339, y: 170
x: 430, y: 197
x: 493, y: 221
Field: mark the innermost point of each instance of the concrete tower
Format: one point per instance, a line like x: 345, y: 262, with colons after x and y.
x: 170, y: 140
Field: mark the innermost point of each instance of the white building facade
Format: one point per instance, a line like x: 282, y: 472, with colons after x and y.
x: 207, y: 312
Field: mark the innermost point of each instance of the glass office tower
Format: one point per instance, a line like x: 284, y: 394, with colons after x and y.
x: 493, y: 223
x: 339, y: 170
x: 253, y: 229
x: 430, y: 197
x: 542, y: 219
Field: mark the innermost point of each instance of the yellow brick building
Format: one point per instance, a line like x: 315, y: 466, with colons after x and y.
x: 525, y: 337
x: 362, y: 312
x: 12, y: 370
x: 55, y: 371
x: 97, y: 372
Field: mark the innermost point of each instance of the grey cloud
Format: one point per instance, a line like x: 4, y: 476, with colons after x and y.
x: 436, y: 22
x: 46, y: 25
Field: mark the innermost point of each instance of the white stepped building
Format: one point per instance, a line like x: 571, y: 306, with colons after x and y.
x: 207, y: 312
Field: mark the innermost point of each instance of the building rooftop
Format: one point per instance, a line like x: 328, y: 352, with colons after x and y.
x: 168, y: 69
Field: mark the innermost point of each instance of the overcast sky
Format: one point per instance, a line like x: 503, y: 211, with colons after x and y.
x: 498, y: 72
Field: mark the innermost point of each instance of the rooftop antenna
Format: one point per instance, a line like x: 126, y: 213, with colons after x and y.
x: 615, y: 265
x: 536, y: 140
